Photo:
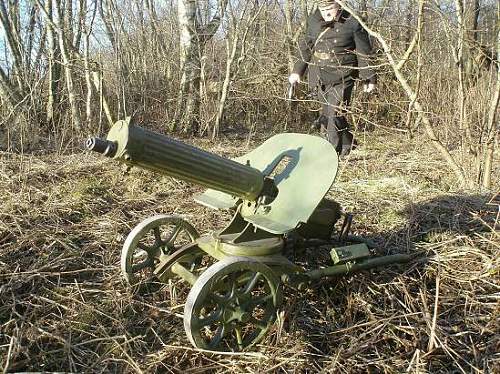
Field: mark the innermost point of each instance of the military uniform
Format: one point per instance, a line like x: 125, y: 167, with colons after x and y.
x: 335, y: 54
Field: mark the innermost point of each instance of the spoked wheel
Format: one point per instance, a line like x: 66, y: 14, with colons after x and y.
x: 151, y: 240
x: 232, y: 305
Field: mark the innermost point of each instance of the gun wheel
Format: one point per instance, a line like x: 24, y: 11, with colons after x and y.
x: 151, y: 239
x: 232, y: 305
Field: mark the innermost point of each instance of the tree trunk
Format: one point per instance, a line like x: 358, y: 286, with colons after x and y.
x: 289, y: 33
x: 492, y: 127
x: 192, y: 41
x: 188, y: 101
x: 9, y: 20
x: 54, y: 68
x: 470, y: 18
x: 463, y: 122
x: 86, y: 60
x: 68, y: 69
x: 8, y: 92
x: 232, y: 48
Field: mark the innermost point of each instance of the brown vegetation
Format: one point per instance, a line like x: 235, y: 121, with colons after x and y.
x: 64, y: 307
x: 425, y: 179
x: 71, y: 68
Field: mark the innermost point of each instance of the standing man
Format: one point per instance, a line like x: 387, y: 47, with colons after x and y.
x: 335, y: 51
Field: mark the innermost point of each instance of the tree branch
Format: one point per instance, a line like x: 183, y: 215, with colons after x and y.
x: 438, y: 145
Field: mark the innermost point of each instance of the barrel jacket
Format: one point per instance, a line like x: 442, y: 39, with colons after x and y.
x: 334, y: 51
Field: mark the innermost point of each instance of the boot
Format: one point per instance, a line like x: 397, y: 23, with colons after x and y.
x: 348, y: 143
x: 334, y: 137
x: 318, y: 122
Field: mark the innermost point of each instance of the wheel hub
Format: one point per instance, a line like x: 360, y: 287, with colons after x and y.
x: 233, y: 312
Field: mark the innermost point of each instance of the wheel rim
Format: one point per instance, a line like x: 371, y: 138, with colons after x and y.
x: 232, y: 305
x: 150, y: 240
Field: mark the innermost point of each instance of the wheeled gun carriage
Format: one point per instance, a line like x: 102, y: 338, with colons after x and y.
x: 276, y: 193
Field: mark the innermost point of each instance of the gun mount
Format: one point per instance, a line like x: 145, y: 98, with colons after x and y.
x: 276, y: 193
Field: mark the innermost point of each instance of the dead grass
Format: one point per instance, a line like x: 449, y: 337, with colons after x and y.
x: 63, y: 306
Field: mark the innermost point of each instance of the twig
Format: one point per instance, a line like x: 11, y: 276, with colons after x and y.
x: 9, y: 354
x: 431, y: 344
x: 374, y: 322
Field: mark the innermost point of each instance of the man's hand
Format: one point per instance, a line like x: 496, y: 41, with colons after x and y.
x: 368, y: 87
x: 294, y: 78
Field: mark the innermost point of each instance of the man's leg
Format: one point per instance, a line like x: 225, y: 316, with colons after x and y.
x: 327, y: 113
x: 338, y: 98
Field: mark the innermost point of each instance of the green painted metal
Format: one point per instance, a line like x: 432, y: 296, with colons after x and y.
x: 212, y: 245
x: 349, y: 253
x: 240, y: 238
x: 184, y: 273
x: 216, y: 200
x: 232, y: 305
x: 140, y: 147
x: 258, y: 247
x: 293, y: 161
x: 275, y: 189
x: 305, y: 158
x: 288, y: 161
x: 351, y: 267
x: 147, y: 244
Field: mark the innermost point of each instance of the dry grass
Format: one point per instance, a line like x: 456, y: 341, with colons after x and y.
x: 63, y: 306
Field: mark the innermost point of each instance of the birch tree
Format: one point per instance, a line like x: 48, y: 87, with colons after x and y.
x: 236, y: 49
x: 192, y: 39
x: 13, y: 89
x: 54, y: 67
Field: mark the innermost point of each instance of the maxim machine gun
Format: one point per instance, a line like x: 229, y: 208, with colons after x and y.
x: 276, y: 194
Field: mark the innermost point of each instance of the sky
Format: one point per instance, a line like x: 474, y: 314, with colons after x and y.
x: 2, y: 47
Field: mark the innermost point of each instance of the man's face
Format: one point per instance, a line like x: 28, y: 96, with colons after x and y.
x: 329, y: 12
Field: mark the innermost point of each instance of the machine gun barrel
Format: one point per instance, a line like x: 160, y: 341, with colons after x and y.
x: 136, y: 146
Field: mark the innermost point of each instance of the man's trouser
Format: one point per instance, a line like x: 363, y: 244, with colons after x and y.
x: 335, y: 101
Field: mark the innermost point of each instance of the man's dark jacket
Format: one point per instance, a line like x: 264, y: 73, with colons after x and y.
x: 341, y: 53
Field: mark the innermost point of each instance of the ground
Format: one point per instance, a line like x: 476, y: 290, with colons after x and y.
x: 64, y: 306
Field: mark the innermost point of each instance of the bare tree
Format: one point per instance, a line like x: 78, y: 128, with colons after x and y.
x: 289, y: 33
x: 236, y: 53
x: 13, y: 88
x: 59, y: 74
x: 54, y: 66
x: 64, y: 36
x: 492, y: 125
x: 471, y: 9
x: 193, y: 38
x: 403, y: 80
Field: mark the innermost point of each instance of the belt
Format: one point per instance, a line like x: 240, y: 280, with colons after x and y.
x: 323, y: 55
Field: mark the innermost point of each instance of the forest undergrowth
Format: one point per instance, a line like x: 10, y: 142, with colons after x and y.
x: 64, y: 306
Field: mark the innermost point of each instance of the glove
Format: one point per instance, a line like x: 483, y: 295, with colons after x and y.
x: 294, y: 78
x: 368, y: 87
